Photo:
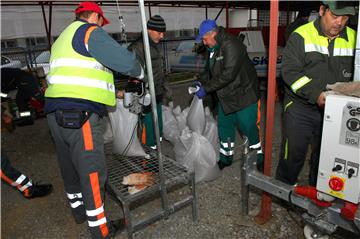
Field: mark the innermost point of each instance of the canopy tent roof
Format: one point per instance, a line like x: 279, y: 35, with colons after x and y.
x: 262, y: 5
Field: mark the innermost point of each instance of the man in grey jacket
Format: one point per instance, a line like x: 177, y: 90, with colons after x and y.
x: 156, y: 31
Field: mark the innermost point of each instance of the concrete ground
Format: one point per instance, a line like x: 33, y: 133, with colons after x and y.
x: 32, y: 151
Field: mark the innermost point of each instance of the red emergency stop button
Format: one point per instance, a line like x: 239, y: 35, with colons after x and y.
x: 336, y: 184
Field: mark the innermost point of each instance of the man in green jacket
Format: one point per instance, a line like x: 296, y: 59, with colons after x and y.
x: 231, y: 76
x: 156, y: 31
x: 316, y: 54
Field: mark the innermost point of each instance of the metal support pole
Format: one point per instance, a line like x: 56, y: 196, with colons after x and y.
x: 149, y: 6
x: 164, y: 200
x: 206, y: 11
x: 50, y: 24
x: 265, y: 212
x: 357, y: 56
x: 217, y: 16
x: 244, y: 184
x: 227, y: 15
x: 45, y: 22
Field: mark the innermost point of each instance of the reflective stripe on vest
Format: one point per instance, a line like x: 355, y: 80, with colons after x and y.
x: 313, y: 42
x: 76, y: 76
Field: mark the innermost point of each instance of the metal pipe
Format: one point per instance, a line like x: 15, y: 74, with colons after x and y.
x: 217, y: 16
x: 357, y: 56
x: 45, y: 21
x: 149, y: 6
x: 153, y: 104
x: 265, y: 212
x: 227, y: 14
x: 50, y: 24
x: 206, y: 11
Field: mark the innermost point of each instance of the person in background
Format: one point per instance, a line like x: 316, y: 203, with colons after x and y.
x: 14, y: 177
x: 80, y: 86
x: 231, y: 76
x: 318, y: 53
x: 156, y: 30
x: 27, y: 87
x: 20, y: 181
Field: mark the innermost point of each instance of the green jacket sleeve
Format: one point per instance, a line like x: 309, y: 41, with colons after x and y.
x: 233, y: 58
x: 109, y: 53
x: 294, y: 71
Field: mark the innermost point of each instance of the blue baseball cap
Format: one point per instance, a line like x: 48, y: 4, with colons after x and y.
x: 205, y: 27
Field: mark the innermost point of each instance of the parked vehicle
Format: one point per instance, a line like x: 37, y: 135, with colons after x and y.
x: 185, y: 58
x: 42, y: 61
x: 6, y: 62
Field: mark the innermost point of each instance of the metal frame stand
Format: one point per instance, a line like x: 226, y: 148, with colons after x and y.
x: 327, y: 220
x: 175, y: 175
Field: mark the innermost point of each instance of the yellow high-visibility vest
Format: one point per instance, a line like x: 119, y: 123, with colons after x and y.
x: 76, y: 76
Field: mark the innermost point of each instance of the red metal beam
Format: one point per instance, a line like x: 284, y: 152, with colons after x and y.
x: 265, y: 212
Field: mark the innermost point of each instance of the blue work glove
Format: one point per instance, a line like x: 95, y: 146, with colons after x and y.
x: 197, y: 83
x: 200, y: 93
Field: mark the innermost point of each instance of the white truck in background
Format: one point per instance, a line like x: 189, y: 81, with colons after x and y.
x: 184, y: 57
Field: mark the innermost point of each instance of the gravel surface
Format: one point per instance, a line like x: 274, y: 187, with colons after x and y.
x: 31, y: 150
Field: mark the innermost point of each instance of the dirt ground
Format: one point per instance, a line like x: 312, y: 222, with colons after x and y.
x: 32, y: 151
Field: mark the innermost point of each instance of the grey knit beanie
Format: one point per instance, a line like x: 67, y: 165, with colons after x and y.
x: 156, y: 23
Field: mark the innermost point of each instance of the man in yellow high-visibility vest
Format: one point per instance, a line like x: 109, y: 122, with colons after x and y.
x: 80, y: 86
x: 318, y: 53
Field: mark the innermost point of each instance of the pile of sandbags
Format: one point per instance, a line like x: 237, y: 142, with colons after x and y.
x: 193, y: 132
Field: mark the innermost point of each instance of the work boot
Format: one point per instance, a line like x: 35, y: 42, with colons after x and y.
x: 25, y: 121
x: 39, y: 190
x: 223, y: 164
x: 115, y: 227
x: 80, y: 218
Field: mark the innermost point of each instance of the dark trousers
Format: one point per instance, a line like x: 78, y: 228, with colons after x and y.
x: 302, y: 126
x: 13, y: 177
x: 82, y: 164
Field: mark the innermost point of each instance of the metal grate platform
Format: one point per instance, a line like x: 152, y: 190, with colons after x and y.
x: 174, y: 175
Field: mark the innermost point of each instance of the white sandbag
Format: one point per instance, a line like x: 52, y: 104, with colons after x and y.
x: 181, y: 118
x: 177, y: 110
x: 171, y: 130
x: 124, y: 128
x: 108, y: 134
x: 196, y: 153
x: 182, y: 146
x: 196, y: 116
x: 211, y: 131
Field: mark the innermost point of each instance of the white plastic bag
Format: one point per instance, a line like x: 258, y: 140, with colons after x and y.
x: 196, y: 117
x: 124, y: 127
x: 181, y: 116
x: 196, y: 153
x: 211, y: 131
x: 171, y: 130
x: 108, y: 134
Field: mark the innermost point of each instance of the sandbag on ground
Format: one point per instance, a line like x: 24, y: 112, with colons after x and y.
x: 196, y: 153
x: 196, y: 117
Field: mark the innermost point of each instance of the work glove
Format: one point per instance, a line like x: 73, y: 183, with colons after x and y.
x: 197, y: 83
x: 200, y: 93
x: 197, y: 89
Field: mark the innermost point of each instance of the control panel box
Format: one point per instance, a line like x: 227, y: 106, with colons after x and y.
x: 340, y: 149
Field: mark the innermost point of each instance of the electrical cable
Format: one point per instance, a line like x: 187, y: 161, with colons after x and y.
x: 294, y: 209
x: 122, y: 24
